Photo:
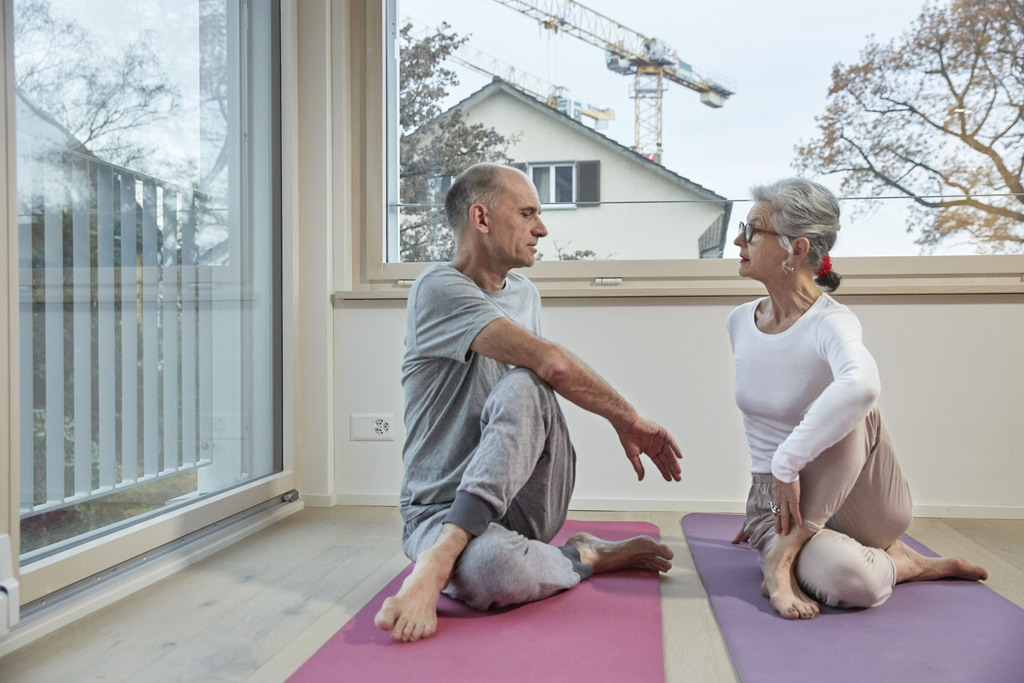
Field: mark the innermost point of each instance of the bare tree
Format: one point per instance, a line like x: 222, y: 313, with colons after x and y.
x: 937, y: 116
x: 434, y: 145
x: 65, y: 75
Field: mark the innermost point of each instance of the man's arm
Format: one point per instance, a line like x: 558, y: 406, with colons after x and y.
x: 505, y: 341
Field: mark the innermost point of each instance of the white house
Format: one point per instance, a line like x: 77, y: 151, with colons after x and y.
x: 599, y: 195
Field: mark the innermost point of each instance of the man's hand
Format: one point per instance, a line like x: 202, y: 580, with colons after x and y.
x: 644, y: 436
x: 787, y: 497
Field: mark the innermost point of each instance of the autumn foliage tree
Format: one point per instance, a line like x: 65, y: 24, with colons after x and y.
x: 937, y: 116
x: 434, y: 145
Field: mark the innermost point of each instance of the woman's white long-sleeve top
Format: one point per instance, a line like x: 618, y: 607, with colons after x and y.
x: 803, y: 389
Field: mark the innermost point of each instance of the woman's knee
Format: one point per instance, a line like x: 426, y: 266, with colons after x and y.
x: 841, y: 572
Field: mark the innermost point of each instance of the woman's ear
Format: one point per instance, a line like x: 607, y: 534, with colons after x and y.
x: 801, y: 247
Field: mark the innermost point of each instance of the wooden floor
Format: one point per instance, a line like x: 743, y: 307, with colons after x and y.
x: 257, y: 610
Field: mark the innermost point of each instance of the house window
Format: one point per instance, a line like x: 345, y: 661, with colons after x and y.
x: 149, y: 234
x: 556, y: 183
x: 571, y: 184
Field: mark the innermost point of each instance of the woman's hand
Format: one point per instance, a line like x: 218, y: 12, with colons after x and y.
x: 787, y: 497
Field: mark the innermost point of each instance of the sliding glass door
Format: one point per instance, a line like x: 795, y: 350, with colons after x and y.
x: 148, y: 267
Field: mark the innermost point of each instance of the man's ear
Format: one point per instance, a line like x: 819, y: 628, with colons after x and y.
x: 479, y: 218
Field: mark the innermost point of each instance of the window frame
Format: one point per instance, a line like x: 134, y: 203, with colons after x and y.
x: 552, y: 168
x: 372, y: 277
x: 43, y: 577
x: 10, y: 523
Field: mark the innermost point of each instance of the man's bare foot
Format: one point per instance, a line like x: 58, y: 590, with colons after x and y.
x: 780, y: 585
x: 411, y: 614
x: 639, y: 552
x: 912, y: 566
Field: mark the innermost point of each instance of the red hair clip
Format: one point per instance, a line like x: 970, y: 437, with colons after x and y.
x: 825, y: 268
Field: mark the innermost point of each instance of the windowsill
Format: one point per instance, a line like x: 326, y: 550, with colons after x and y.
x: 717, y: 277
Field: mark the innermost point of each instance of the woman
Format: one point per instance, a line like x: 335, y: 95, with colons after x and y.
x: 828, y: 502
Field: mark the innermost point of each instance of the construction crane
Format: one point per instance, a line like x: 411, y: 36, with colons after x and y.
x: 650, y: 60
x: 555, y: 96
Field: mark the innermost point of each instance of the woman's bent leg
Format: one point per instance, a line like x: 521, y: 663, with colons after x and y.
x: 840, y: 572
x: 856, y: 489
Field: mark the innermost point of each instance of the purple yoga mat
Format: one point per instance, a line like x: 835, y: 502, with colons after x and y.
x: 957, y: 631
x: 606, y: 629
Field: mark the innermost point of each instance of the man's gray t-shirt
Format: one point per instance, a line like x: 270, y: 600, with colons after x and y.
x: 445, y: 383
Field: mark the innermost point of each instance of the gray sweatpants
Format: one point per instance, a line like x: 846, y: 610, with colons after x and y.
x: 519, y: 481
x: 855, y: 498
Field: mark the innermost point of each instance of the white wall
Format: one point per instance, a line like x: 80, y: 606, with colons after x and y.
x: 953, y: 389
x: 952, y: 372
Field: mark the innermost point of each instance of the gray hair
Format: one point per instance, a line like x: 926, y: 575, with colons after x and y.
x: 803, y: 208
x: 479, y: 184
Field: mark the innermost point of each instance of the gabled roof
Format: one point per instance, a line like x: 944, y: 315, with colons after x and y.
x: 499, y: 86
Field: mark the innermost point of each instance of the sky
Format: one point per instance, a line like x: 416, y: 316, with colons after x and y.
x: 779, y: 55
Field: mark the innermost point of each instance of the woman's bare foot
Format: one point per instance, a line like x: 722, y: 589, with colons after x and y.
x: 640, y: 552
x: 912, y: 566
x: 780, y: 585
x: 786, y: 596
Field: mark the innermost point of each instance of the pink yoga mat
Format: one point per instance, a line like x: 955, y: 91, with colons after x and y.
x: 935, y: 631
x: 606, y: 629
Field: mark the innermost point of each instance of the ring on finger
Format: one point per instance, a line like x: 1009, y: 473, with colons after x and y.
x: 776, y: 510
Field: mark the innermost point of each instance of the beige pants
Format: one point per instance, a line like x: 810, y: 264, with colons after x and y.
x: 855, y: 499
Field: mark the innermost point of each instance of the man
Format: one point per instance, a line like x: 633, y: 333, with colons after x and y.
x: 489, y: 468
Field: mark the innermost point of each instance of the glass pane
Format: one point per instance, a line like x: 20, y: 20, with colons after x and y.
x: 691, y: 104
x: 542, y: 179
x: 563, y: 184
x: 148, y: 284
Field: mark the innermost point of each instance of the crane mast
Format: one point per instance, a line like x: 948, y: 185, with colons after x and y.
x: 649, y: 60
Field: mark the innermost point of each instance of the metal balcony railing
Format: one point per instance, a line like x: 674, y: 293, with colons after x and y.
x: 115, y: 329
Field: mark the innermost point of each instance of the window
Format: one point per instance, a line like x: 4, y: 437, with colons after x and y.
x: 556, y: 183
x: 572, y: 184
x: 680, y: 144
x: 149, y: 231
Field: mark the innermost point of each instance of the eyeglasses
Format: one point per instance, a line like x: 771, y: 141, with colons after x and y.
x: 747, y: 231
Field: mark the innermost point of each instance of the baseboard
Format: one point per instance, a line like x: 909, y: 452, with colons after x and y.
x: 325, y: 500
x: 640, y: 505
x: 970, y: 511
x: 367, y: 499
x: 29, y: 632
x: 713, y: 506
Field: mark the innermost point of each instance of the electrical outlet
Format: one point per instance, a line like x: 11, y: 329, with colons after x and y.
x: 372, y: 427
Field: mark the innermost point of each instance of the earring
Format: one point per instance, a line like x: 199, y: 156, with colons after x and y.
x: 786, y: 268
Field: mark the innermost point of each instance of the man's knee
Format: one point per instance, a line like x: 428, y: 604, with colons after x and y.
x: 522, y: 396
x: 501, y: 567
x: 521, y: 382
